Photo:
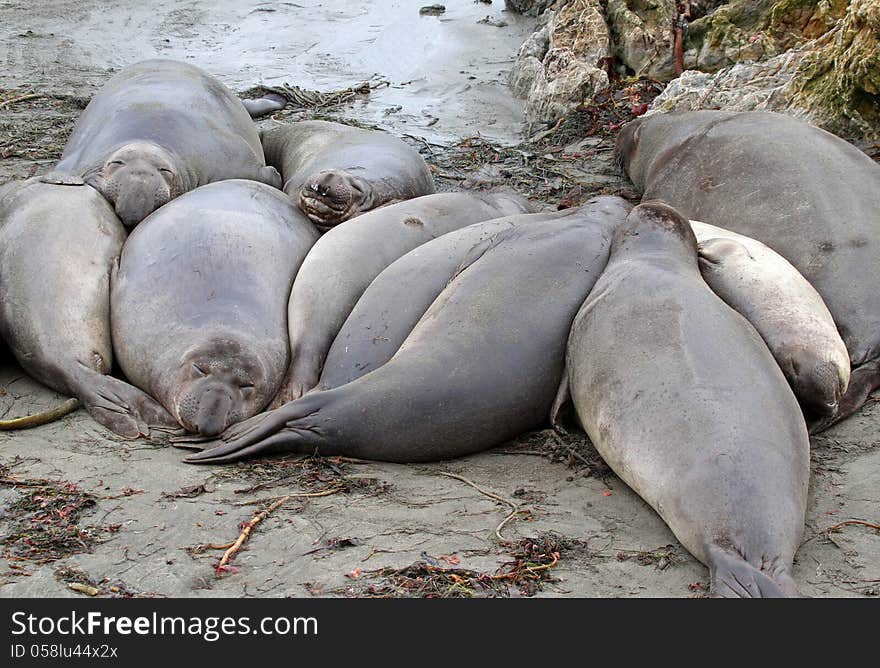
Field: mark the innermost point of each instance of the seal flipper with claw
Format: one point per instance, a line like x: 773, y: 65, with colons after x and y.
x: 278, y: 431
x: 122, y: 408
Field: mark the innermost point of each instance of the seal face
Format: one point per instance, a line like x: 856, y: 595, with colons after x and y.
x: 345, y: 260
x: 199, y: 301
x: 216, y: 386
x: 158, y: 129
x: 690, y: 409
x: 137, y: 179
x: 477, y: 369
x: 332, y: 196
x: 808, y: 195
x: 335, y: 172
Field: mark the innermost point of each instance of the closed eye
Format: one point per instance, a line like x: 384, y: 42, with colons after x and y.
x: 199, y: 369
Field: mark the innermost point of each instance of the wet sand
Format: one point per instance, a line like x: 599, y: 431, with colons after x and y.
x: 447, y: 73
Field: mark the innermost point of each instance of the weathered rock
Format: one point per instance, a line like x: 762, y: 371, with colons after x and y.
x: 838, y: 82
x: 730, y: 34
x: 832, y: 81
x: 578, y: 41
x: 641, y: 34
x: 750, y: 86
x: 529, y: 61
x: 530, y: 7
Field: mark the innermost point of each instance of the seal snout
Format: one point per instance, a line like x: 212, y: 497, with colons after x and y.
x: 213, y: 411
x: 328, y: 197
x: 137, y: 191
x: 820, y: 386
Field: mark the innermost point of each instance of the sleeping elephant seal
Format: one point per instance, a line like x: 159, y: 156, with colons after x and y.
x: 396, y: 300
x: 198, y: 301
x: 690, y: 409
x: 788, y: 313
x: 481, y: 366
x: 58, y: 241
x: 158, y: 129
x: 810, y: 196
x: 335, y: 172
x: 345, y: 260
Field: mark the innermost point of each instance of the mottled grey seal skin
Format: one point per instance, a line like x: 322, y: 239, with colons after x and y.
x: 158, y: 129
x: 58, y: 241
x: 199, y: 301
x: 335, y: 172
x: 396, y: 300
x: 481, y: 366
x: 788, y: 313
x: 810, y: 196
x: 683, y: 400
x: 345, y: 260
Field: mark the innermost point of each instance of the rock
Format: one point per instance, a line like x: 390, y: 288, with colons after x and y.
x: 641, y: 34
x: 495, y: 23
x: 432, y: 10
x: 832, y: 81
x: 574, y: 42
x: 743, y: 87
x: 729, y: 34
x: 838, y: 81
x: 530, y: 57
x: 530, y: 7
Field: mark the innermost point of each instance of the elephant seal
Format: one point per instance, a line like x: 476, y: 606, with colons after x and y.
x: 58, y: 241
x: 158, y: 129
x: 810, y: 196
x: 345, y: 260
x: 786, y: 310
x: 690, y: 409
x: 336, y: 172
x: 198, y: 301
x: 397, y: 298
x: 481, y: 366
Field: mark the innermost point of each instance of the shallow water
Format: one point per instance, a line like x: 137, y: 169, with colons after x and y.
x: 448, y: 73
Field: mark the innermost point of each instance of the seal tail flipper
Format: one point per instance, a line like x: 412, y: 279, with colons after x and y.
x: 262, y: 106
x: 734, y: 577
x: 122, y: 408
x: 561, y: 402
x: 38, y: 419
x: 863, y: 380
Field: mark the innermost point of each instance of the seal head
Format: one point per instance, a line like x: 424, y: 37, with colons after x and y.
x: 333, y: 196
x: 217, y: 386
x: 653, y: 225
x: 137, y: 179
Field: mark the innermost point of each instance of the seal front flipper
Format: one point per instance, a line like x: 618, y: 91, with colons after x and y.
x: 122, y: 408
x: 60, y: 178
x: 734, y: 577
x: 270, y: 176
x: 286, y: 429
